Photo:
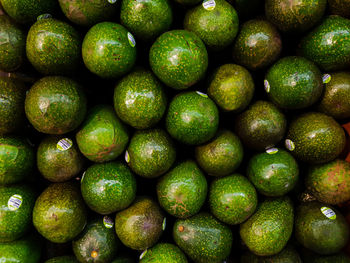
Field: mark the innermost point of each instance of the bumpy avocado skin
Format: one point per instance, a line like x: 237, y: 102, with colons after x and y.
x: 183, y: 190
x: 287, y: 255
x: 340, y: 7
x: 164, y: 252
x: 319, y: 233
x: 179, y: 58
x: 317, y: 137
x: 267, y: 231
x: 59, y: 213
x: 62, y: 259
x: 151, y: 153
x: 139, y: 99
x: 108, y: 187
x: 231, y: 87
x: 203, y: 238
x: 102, y: 137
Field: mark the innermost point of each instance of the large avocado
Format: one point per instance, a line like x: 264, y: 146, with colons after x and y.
x: 163, y: 252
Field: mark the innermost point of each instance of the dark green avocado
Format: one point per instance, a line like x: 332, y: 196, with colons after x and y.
x: 340, y: 7
x: 163, y: 252
x: 63, y: 259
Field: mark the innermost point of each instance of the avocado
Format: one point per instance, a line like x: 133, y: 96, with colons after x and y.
x: 59, y: 159
x: 146, y: 19
x: 151, y: 153
x: 141, y: 224
x: 340, y: 7
x: 16, y: 159
x: 315, y: 138
x: 336, y: 258
x: 192, y: 118
x: 163, y: 252
x: 231, y: 87
x: 102, y: 137
x: 16, y: 206
x: 182, y: 191
x: 320, y: 228
x: 232, y: 199
x: 222, y: 155
x: 55, y: 105
x: 203, y: 238
x: 293, y: 83
x: 109, y: 50
x: 267, y: 231
x: 261, y: 126
x: 108, y: 187
x: 179, y: 58
x: 62, y: 259
x: 216, y: 24
x: 123, y: 259
x: 139, y: 99
x: 274, y: 172
x: 59, y: 213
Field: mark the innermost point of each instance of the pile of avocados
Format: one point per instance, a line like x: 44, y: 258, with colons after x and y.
x: 174, y: 131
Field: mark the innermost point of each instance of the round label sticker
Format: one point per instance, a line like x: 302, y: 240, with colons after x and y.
x: 329, y: 213
x: 112, y: 1
x: 143, y: 254
x: 132, y: 41
x: 64, y: 144
x: 164, y: 224
x: 326, y: 78
x: 44, y: 16
x: 127, y: 157
x: 202, y: 94
x: 209, y: 5
x: 290, y: 145
x: 14, y: 202
x: 272, y: 150
x: 267, y: 86
x: 108, y: 222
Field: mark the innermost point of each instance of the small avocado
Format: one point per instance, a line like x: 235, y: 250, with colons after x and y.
x: 336, y: 258
x: 141, y: 224
x: 267, y: 231
x: 320, y: 228
x: 179, y: 58
x: 59, y: 213
x: 182, y: 191
x: 102, y: 137
x: 151, y: 153
x: 340, y: 7
x: 62, y: 259
x: 203, y: 238
x: 55, y: 105
x: 108, y: 187
x: 163, y: 252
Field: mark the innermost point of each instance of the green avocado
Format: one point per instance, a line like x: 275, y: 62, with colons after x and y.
x: 123, y: 259
x: 295, y: 16
x: 192, y: 118
x: 203, y: 238
x: 109, y: 50
x: 328, y: 45
x: 232, y: 199
x: 287, y: 255
x: 257, y: 45
x: 231, y: 87
x: 340, y: 7
x: 63, y: 259
x: 146, y: 19
x: 140, y: 225
x: 274, y: 172
x: 139, y: 99
x: 261, y: 126
x: 59, y: 213
x: 108, y: 187
x: 293, y: 83
x: 55, y: 105
x: 59, y: 159
x: 267, y: 231
x: 102, y: 137
x: 315, y: 138
x: 16, y: 205
x: 17, y: 159
x: 222, y: 155
x: 179, y: 58
x: 183, y: 190
x: 336, y: 258
x: 320, y: 228
x: 151, y: 153
x: 215, y: 24
x: 163, y: 252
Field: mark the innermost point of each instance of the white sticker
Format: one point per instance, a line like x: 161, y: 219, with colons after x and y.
x: 143, y: 254
x: 112, y: 1
x: 329, y: 213
x: 164, y: 224
x: 14, y: 202
x: 209, y: 5
x: 131, y: 39
x: 64, y: 144
x: 272, y: 150
x: 127, y: 157
x: 267, y: 85
x: 108, y: 222
x: 290, y: 145
x: 202, y: 94
x: 326, y: 78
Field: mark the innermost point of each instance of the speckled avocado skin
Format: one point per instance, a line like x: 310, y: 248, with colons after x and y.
x: 140, y: 225
x: 183, y: 190
x: 146, y: 19
x: 151, y: 153
x: 63, y: 259
x: 319, y: 233
x: 287, y: 255
x: 139, y: 99
x: 295, y: 16
x: 203, y: 238
x: 53, y: 47
x: 55, y: 105
x: 231, y: 87
x: 340, y: 7
x: 317, y: 137
x: 179, y: 58
x: 107, y: 51
x: 108, y: 187
x: 328, y: 45
x: 164, y: 252
x: 59, y: 213
x: 267, y: 231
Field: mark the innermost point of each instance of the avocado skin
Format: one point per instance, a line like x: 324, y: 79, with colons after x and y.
x: 340, y: 7
x: 164, y: 252
x: 318, y: 233
x: 336, y: 258
x: 203, y: 238
x: 62, y: 259
x: 287, y: 255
